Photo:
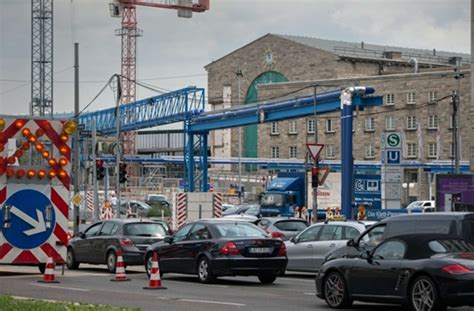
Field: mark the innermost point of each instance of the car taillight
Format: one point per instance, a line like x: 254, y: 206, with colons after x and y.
x: 126, y: 242
x: 456, y: 269
x: 277, y: 235
x: 229, y: 249
x: 282, y: 251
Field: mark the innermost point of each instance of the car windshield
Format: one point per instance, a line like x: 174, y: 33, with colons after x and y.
x: 232, y: 210
x: 415, y: 204
x: 273, y: 199
x: 240, y: 230
x: 145, y: 229
x: 253, y: 210
x: 156, y: 198
x: 291, y: 225
x: 451, y: 246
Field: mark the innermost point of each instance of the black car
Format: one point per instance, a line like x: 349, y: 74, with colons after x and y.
x: 100, y: 242
x: 220, y: 247
x: 454, y: 223
x: 424, y: 271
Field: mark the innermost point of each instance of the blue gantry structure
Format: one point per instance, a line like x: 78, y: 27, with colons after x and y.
x: 187, y: 106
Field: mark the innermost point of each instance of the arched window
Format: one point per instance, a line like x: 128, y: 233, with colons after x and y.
x: 250, y: 131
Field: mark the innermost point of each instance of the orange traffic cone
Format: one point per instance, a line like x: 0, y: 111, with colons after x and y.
x: 120, y: 269
x: 48, y: 276
x: 155, y: 279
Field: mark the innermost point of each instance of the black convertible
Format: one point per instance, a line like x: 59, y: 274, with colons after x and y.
x: 425, y: 272
x: 220, y: 247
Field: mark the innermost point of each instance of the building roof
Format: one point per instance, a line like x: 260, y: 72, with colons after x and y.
x: 372, y: 52
x: 377, y: 52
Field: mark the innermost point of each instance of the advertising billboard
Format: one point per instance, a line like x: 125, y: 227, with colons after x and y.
x: 455, y: 192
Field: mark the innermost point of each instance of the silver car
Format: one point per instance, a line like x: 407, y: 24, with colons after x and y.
x: 307, y: 250
x: 281, y: 227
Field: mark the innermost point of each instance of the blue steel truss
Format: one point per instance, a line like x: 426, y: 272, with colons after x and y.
x: 176, y: 106
x: 199, y: 126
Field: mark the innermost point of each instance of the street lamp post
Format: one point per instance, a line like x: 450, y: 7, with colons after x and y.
x: 407, y: 185
x: 239, y: 75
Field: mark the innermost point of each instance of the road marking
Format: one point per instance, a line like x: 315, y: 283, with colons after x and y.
x: 215, y: 302
x: 309, y: 294
x: 62, y: 287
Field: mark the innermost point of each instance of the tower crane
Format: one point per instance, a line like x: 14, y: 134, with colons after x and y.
x: 126, y: 9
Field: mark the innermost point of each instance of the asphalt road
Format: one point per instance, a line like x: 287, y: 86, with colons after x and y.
x: 91, y: 284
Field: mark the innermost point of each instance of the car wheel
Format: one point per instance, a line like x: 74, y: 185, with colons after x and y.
x: 424, y: 295
x: 335, y: 291
x: 42, y: 267
x: 149, y: 265
x: 71, y: 262
x: 267, y: 278
x: 204, y: 271
x: 111, y: 261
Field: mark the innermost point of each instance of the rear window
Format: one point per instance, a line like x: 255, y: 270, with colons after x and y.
x: 240, y: 230
x: 441, y: 226
x: 451, y: 246
x: 145, y: 229
x: 468, y: 230
x: 291, y: 225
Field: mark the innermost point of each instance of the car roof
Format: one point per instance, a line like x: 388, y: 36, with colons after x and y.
x: 276, y: 219
x: 451, y: 215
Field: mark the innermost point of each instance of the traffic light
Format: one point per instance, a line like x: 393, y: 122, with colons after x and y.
x: 123, y: 177
x: 99, y: 164
x: 314, y: 177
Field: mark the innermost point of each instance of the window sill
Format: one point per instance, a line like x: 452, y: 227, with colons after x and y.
x: 330, y: 132
x: 433, y: 128
x: 389, y: 104
x: 411, y: 157
x: 274, y: 134
x: 390, y: 130
x: 369, y: 130
x: 293, y: 133
x: 432, y: 157
x: 410, y: 129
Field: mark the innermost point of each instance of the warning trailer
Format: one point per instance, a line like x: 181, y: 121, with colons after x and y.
x: 35, y: 164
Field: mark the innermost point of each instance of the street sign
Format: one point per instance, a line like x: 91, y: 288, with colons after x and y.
x: 392, y: 174
x: 323, y: 173
x: 85, y: 133
x: 393, y: 140
x: 314, y: 150
x: 77, y: 199
x: 31, y: 219
x: 392, y: 157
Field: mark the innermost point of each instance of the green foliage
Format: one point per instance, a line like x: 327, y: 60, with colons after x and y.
x: 8, y: 303
x: 156, y: 209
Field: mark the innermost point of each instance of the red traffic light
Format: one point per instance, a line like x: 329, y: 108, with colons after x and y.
x: 99, y: 163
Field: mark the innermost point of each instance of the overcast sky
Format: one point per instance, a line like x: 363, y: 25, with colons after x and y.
x: 173, y: 51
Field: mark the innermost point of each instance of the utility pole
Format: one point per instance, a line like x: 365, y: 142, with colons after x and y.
x: 456, y: 101
x: 316, y: 161
x: 239, y: 75
x: 75, y: 168
x: 117, y: 151
x: 94, y: 172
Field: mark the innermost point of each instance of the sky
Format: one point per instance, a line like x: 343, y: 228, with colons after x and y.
x: 173, y: 51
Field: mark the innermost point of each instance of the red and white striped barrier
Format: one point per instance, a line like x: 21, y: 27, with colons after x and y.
x: 181, y: 209
x: 217, y: 205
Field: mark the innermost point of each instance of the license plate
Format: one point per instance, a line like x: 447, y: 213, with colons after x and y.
x: 261, y: 250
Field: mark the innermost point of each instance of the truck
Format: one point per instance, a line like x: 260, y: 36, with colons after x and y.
x: 35, y: 185
x: 283, y: 194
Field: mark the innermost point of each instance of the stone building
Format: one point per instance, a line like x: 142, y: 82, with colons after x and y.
x: 416, y: 86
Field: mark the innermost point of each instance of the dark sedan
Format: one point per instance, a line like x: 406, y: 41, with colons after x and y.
x: 100, y: 242
x: 425, y: 272
x: 213, y: 248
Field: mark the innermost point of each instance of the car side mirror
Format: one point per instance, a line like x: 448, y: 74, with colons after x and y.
x: 366, y: 255
x: 82, y: 235
x: 168, y: 239
x: 351, y: 243
x: 293, y: 239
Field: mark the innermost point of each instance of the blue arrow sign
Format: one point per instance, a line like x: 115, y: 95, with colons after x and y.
x: 28, y: 219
